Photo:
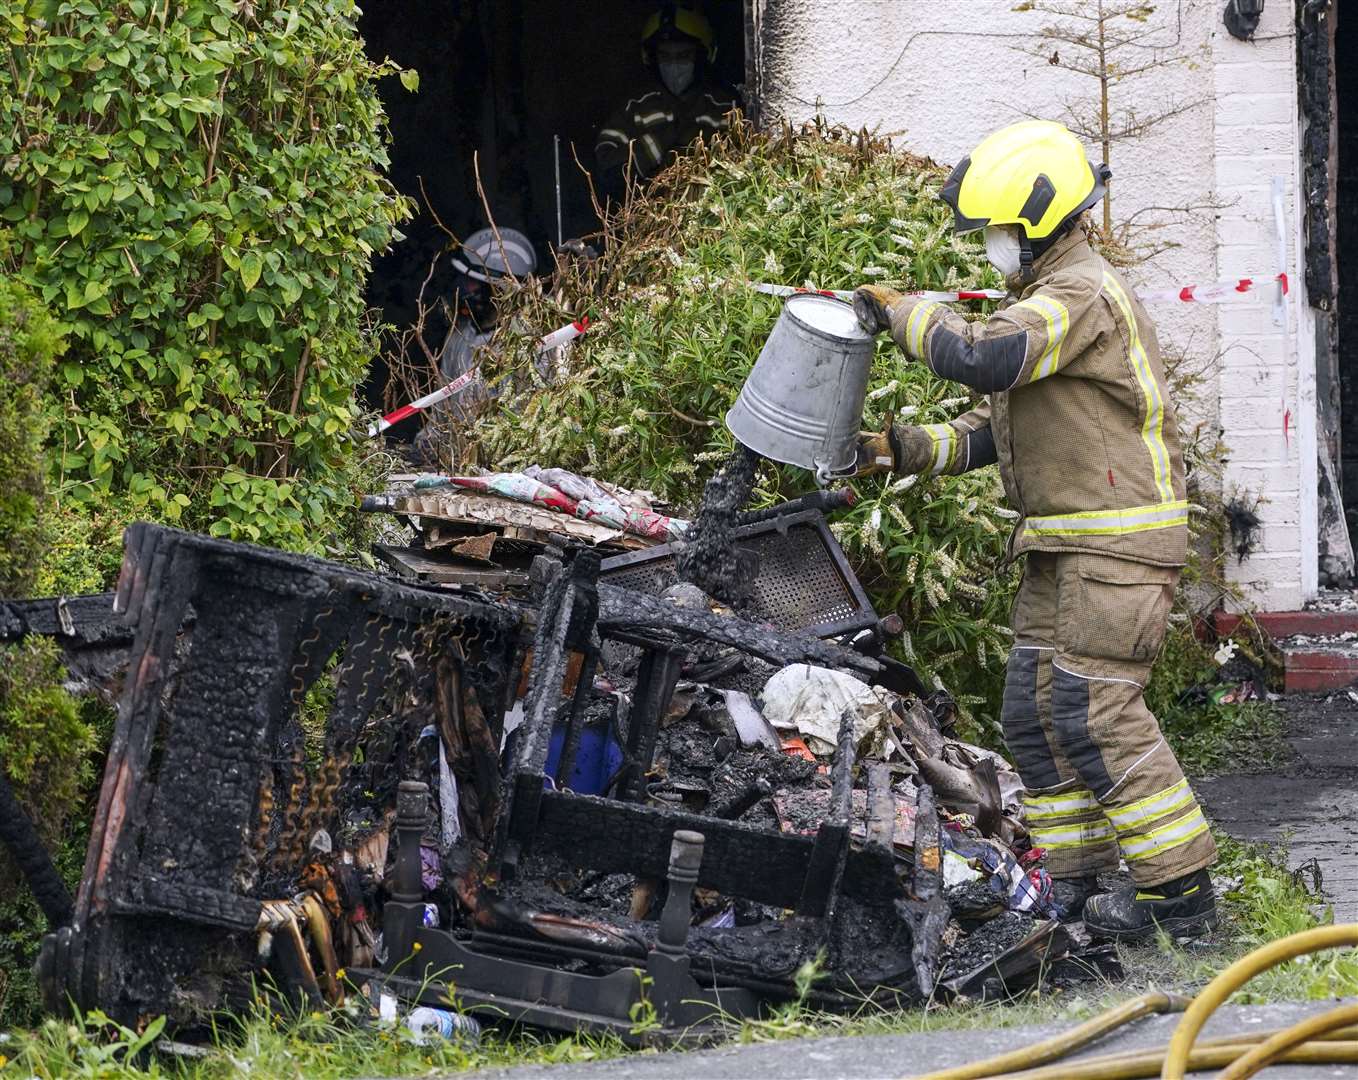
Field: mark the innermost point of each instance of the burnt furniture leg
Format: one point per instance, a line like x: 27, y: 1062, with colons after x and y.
x: 826, y: 869
x: 403, y: 914
x: 668, y: 963
x: 656, y: 676
x: 926, y: 911
x: 27, y: 850
x: 571, y: 747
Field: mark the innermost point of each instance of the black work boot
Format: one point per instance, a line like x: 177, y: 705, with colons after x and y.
x: 1184, y: 907
x: 1069, y: 895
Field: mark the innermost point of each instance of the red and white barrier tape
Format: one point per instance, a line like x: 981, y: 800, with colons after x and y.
x: 838, y: 294
x: 1213, y: 293
x: 569, y: 332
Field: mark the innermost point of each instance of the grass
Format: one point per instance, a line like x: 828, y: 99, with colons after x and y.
x: 1264, y: 901
x: 317, y: 1046
x: 1227, y: 737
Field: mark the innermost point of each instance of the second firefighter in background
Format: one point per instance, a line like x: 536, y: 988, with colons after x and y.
x: 1079, y: 420
x: 638, y: 139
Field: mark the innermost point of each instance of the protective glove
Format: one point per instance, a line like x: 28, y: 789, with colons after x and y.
x: 872, y: 304
x: 906, y: 449
x: 878, y: 451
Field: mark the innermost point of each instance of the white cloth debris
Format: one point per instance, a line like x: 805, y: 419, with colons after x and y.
x: 513, y: 720
x: 811, y: 700
x: 450, y: 824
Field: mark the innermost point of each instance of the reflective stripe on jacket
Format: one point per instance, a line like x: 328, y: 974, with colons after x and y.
x: 1079, y: 413
x: 657, y: 123
x: 958, y: 446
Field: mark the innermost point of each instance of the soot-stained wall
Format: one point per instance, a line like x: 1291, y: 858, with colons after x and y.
x: 1319, y: 172
x: 1346, y: 221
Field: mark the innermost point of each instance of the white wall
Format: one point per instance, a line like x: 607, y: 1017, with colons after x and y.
x: 938, y: 75
x: 1267, y: 394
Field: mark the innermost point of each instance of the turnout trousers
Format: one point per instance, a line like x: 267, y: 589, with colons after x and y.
x: 1100, y: 778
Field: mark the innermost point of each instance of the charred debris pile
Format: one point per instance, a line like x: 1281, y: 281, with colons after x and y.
x: 667, y: 778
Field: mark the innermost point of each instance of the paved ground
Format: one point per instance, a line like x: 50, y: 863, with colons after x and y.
x: 887, y: 1057
x: 1311, y: 801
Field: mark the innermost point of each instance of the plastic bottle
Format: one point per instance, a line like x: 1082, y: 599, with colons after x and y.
x: 428, y: 1024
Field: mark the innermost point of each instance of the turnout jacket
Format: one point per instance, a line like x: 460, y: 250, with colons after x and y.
x: 1078, y: 416
x: 657, y: 123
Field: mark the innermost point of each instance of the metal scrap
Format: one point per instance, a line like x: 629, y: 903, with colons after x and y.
x: 169, y: 892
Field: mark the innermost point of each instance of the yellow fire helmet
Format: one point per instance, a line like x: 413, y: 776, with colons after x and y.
x: 674, y: 19
x: 1032, y: 174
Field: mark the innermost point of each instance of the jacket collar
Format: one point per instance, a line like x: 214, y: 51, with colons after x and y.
x: 1069, y: 249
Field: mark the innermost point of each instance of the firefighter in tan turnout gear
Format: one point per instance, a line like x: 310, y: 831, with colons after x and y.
x: 678, y: 45
x: 1079, y: 420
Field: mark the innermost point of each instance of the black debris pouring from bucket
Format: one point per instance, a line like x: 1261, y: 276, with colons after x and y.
x: 710, y: 559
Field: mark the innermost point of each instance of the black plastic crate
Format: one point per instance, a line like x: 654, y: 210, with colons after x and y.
x: 803, y: 583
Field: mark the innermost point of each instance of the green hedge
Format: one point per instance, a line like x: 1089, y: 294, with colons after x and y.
x: 195, y: 189
x: 29, y: 343
x: 47, y: 749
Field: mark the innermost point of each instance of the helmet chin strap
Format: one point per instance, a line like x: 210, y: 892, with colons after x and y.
x: 1030, y: 251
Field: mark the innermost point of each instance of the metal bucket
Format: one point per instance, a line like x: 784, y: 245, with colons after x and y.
x: 802, y: 403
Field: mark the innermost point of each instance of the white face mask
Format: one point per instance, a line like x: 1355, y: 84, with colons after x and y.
x: 677, y: 75
x: 1002, y: 249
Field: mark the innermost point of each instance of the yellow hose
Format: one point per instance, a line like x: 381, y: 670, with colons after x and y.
x: 1060, y: 1045
x: 1268, y: 1051
x: 1146, y: 1065
x: 1235, y: 976
x: 1339, y: 1039
x: 1237, y: 1044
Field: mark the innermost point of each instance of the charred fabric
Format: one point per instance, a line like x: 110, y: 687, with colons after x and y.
x: 617, y: 788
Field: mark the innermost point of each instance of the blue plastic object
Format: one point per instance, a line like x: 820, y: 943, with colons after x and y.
x: 597, y: 759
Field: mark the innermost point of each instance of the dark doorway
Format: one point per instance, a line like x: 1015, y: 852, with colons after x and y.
x: 498, y: 80
x: 1346, y: 244
x: 1328, y: 84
